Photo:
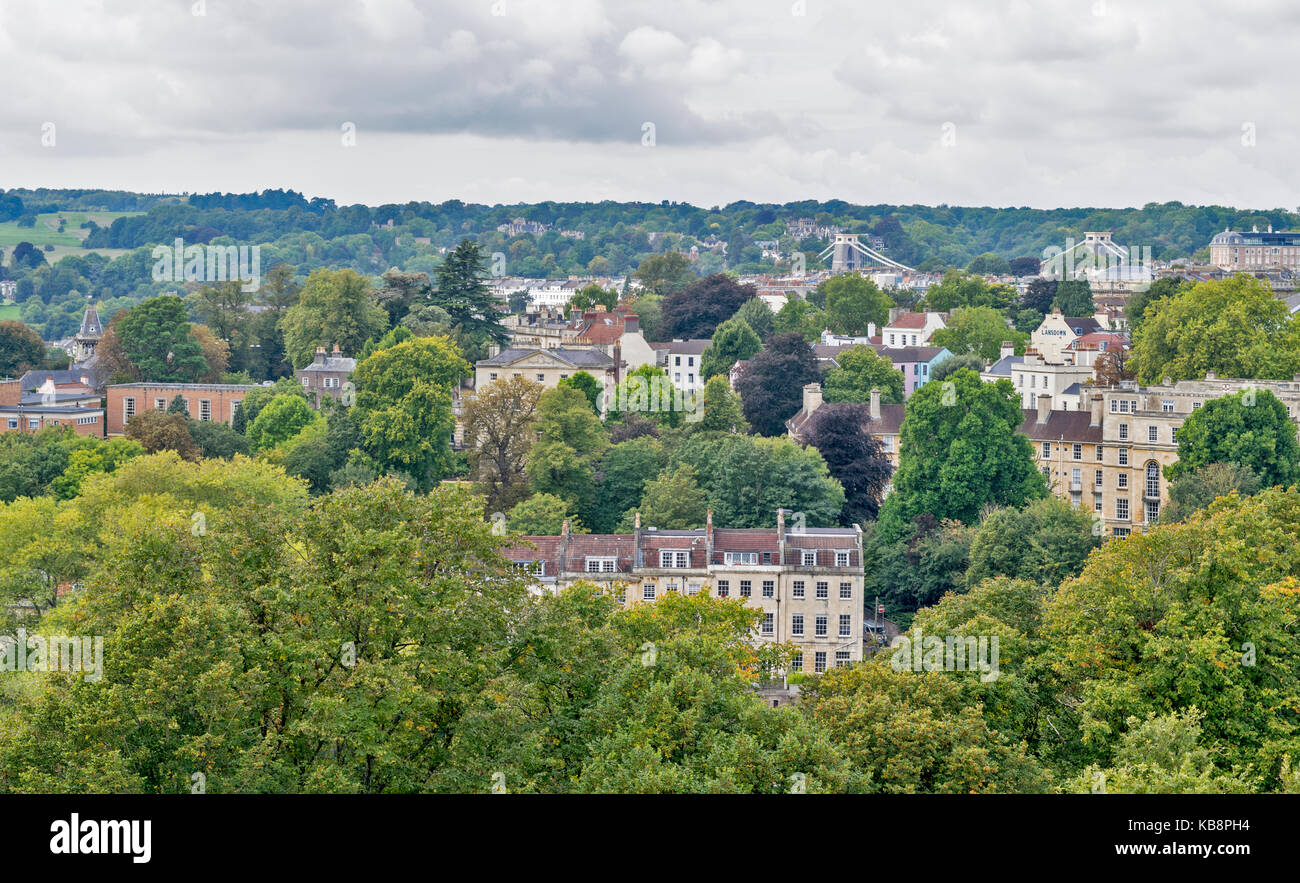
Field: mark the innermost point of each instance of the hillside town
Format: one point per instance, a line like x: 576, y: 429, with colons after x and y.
x: 406, y: 402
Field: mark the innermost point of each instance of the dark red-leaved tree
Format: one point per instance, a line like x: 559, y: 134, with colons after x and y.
x: 771, y: 386
x: 842, y: 434
x: 698, y: 310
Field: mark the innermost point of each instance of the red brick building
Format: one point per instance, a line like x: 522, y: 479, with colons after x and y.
x: 32, y: 412
x: 205, y: 401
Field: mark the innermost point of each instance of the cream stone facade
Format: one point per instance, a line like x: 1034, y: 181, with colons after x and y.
x: 1033, y: 377
x: 1051, y: 338
x: 807, y: 582
x: 547, y: 367
x: 1230, y: 250
x: 1111, y: 457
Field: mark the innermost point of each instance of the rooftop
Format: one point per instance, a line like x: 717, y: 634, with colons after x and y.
x: 584, y: 358
x: 233, y: 387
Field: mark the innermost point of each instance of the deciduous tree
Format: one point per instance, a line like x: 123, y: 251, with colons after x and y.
x: 771, y: 385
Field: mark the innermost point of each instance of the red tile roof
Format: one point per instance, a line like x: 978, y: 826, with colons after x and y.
x: 908, y: 320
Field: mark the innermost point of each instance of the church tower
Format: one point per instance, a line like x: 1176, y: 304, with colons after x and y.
x: 83, y: 346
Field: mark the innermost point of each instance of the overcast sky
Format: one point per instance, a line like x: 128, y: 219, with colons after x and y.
x: 977, y: 102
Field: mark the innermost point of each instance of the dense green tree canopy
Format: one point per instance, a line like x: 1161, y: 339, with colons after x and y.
x: 733, y: 341
x: 283, y: 418
x: 1044, y: 542
x: 757, y: 315
x: 403, y: 402
x: 749, y: 478
x: 334, y: 307
x: 1232, y: 327
x: 854, y: 304
x: 959, y: 451
x: 155, y: 337
x: 672, y: 501
x: 1250, y: 428
x: 978, y: 330
x: 543, y: 515
x: 860, y: 370
x: 1195, y: 489
x: 21, y: 349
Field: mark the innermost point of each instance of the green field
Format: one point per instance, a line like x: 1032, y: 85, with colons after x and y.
x: 9, y: 311
x: 46, y: 232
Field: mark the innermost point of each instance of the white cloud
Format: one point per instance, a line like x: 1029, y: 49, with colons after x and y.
x: 1052, y: 104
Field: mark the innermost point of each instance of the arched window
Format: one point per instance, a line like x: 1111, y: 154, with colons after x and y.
x: 1153, y: 479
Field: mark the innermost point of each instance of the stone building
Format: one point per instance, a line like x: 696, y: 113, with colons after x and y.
x: 548, y: 367
x: 327, y: 375
x: 1230, y: 250
x: 1111, y: 456
x: 806, y: 581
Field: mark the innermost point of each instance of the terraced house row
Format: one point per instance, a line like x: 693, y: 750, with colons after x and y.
x: 1110, y: 456
x: 806, y: 581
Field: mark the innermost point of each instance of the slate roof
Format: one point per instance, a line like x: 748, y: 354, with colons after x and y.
x: 33, y: 379
x: 909, y: 353
x: 1070, y: 426
x: 90, y: 324
x: 35, y: 398
x: 548, y: 549
x: 578, y: 358
x: 332, y: 365
x: 1082, y: 325
x: 1002, y: 367
x: 693, y: 347
x: 888, y: 423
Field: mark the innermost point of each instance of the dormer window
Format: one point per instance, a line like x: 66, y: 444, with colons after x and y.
x: 674, y: 558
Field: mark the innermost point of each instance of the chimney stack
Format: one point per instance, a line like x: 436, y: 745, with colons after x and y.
x: 337, y: 351
x: 1008, y: 349
x: 1096, y: 410
x: 636, y: 520
x: 1044, y: 407
x: 320, y: 355
x: 812, y: 397
x: 875, y: 404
